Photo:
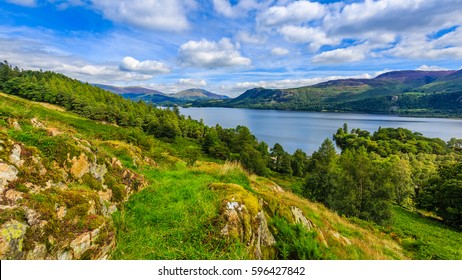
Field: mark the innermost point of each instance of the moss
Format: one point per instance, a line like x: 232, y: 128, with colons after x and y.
x: 88, y: 254
x: 21, y: 188
x: 17, y: 214
x: 234, y: 192
x: 89, y: 181
x: 118, y: 192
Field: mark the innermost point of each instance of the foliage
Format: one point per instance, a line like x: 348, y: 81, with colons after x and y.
x: 294, y: 242
x: 443, y: 194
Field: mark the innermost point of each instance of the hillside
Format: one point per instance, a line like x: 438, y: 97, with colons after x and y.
x: 160, y: 98
x: 86, y: 174
x: 64, y: 192
x: 133, y: 90
x: 421, y: 93
x: 197, y: 93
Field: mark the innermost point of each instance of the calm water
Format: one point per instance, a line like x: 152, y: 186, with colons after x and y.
x: 307, y: 130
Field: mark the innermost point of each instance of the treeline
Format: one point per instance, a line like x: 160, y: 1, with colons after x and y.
x: 389, y: 166
x: 372, y: 172
x: 97, y: 104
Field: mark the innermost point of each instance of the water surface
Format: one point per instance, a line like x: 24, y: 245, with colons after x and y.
x: 307, y: 130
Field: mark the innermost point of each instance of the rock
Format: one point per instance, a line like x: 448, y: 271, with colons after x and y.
x: 80, y: 166
x: 38, y: 253
x: 40, y: 167
x: 37, y: 124
x: 98, y: 171
x: 277, y: 188
x: 8, y: 173
x: 233, y: 225
x: 103, y: 251
x: 321, y: 236
x: 92, y: 208
x: 81, y: 244
x: 65, y: 255
x: 105, y: 195
x: 342, y: 239
x: 15, y: 157
x: 115, y: 163
x: 264, y: 237
x: 11, y: 240
x: 16, y: 126
x: 112, y: 209
x: 32, y: 217
x: 13, y: 195
x: 62, y: 211
x: 300, y: 218
x: 53, y: 131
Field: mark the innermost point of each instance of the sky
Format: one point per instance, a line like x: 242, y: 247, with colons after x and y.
x: 229, y: 46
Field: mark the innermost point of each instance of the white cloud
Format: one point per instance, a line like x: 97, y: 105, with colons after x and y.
x: 29, y: 54
x: 238, y: 88
x: 419, y: 46
x: 225, y: 8
x: 393, y: 16
x: 296, y: 12
x: 246, y: 37
x: 145, y: 67
x: 279, y: 51
x: 342, y: 55
x: 211, y: 54
x: 314, y: 36
x: 430, y: 68
x: 192, y: 83
x: 390, y: 27
x: 169, y: 15
x: 25, y: 3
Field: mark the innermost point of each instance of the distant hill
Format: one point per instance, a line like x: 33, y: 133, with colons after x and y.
x: 152, y: 98
x: 197, y: 93
x: 160, y: 98
x: 121, y: 90
x: 424, y: 93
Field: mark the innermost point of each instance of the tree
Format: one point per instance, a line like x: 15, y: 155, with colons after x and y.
x: 443, y: 194
x: 320, y: 182
x: 299, y: 163
x: 362, y: 188
x: 252, y: 160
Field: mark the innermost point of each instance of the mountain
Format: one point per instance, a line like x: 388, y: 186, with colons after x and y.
x: 196, y: 93
x: 151, y: 98
x: 435, y: 93
x: 160, y: 98
x: 134, y: 89
x: 66, y: 194
x: 87, y: 174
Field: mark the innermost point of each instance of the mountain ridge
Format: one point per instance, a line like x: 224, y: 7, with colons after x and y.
x: 409, y: 92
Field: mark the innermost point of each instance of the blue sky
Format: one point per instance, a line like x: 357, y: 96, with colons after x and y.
x: 229, y: 46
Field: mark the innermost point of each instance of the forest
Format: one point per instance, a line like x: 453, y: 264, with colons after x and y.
x: 372, y: 173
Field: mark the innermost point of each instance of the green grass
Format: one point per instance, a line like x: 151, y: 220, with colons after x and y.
x: 177, y: 217
x: 424, y: 238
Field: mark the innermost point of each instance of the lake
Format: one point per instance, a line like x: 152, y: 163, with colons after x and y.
x: 307, y: 130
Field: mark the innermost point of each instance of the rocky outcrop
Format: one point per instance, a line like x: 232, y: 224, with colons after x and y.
x: 15, y: 156
x: 80, y: 166
x: 245, y: 220
x: 300, y: 218
x: 59, y: 207
x: 8, y: 173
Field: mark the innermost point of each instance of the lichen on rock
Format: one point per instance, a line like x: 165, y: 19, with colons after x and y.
x: 11, y: 240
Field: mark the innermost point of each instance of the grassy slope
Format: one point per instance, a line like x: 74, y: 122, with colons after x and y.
x: 426, y: 238
x: 179, y: 215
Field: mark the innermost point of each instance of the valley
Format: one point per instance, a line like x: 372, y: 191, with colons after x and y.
x: 86, y: 174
